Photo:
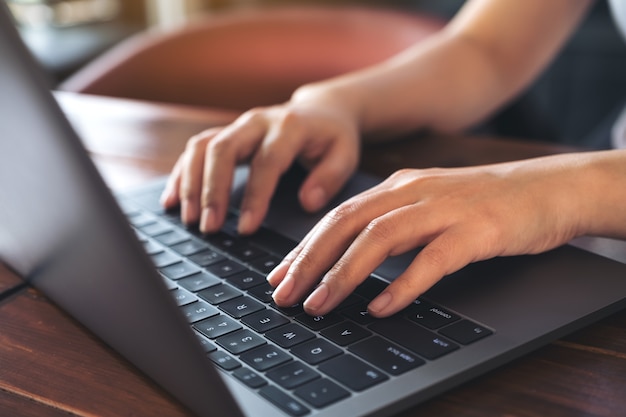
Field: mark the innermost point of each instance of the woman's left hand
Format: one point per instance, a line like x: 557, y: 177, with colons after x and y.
x: 458, y: 215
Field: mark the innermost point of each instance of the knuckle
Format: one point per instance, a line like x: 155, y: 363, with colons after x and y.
x: 437, y: 256
x: 379, y: 230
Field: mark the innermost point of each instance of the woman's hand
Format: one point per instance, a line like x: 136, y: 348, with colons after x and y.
x: 459, y: 216
x: 322, y: 136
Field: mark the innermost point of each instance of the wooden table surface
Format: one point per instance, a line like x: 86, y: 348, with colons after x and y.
x: 51, y: 366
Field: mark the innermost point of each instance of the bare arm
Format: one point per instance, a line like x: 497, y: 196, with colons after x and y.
x: 486, y: 55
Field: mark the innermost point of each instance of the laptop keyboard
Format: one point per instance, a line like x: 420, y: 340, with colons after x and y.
x: 298, y: 362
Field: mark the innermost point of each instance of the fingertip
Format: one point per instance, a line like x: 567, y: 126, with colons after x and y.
x: 381, y: 306
x: 314, y: 199
x: 277, y: 275
x: 283, y: 291
x: 208, y: 220
x: 248, y: 224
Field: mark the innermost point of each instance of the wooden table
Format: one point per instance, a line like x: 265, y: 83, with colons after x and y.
x: 51, y: 366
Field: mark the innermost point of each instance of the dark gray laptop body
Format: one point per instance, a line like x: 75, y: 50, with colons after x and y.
x: 62, y: 230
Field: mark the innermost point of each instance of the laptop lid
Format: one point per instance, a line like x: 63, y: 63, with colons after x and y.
x: 61, y: 229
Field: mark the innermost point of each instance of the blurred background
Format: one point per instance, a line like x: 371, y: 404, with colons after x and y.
x: 572, y: 102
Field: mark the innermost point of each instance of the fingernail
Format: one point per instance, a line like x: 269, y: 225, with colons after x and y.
x: 379, y: 303
x: 282, y: 292
x: 188, y: 212
x: 277, y: 274
x: 245, y: 223
x: 207, y: 221
x: 317, y: 298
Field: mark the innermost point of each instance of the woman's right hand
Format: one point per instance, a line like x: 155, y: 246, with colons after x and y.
x: 322, y: 135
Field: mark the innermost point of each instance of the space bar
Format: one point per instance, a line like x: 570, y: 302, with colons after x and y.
x: 413, y: 337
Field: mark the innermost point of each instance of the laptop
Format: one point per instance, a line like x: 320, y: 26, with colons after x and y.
x: 195, y: 314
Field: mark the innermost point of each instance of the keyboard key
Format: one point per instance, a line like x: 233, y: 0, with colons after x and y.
x: 265, y: 357
x: 199, y: 282
x: 318, y: 322
x: 289, y: 335
x: 430, y: 316
x: 385, y: 355
x: 189, y: 247
x: 164, y: 259
x: 265, y: 320
x: 359, y: 314
x: 370, y: 288
x: 155, y: 228
x: 316, y: 351
x: 206, y: 257
x: 219, y: 294
x: 179, y: 270
x: 352, y: 372
x: 206, y: 344
x: 226, y: 268
x: 241, y: 306
x: 240, y: 341
x: 172, y: 237
x: 273, y: 242
x: 290, y: 311
x: 224, y: 360
x: 413, y: 337
x: 321, y: 393
x: 216, y: 326
x: 292, y: 375
x: 283, y: 401
x: 262, y: 292
x: 247, y: 252
x: 183, y: 297
x: 246, y: 279
x: 199, y: 310
x: 152, y: 248
x: 345, y: 333
x: 249, y: 377
x: 265, y: 264
x: 465, y: 332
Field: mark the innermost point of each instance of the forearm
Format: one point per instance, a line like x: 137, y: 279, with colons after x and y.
x: 484, y: 57
x: 603, y: 188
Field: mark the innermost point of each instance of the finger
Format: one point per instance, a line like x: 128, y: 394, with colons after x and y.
x: 447, y: 253
x: 389, y: 234
x: 170, y: 197
x: 192, y: 163
x: 272, y: 158
x: 329, y: 175
x: 329, y: 240
x: 232, y: 145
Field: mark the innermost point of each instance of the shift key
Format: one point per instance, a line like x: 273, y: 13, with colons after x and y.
x: 413, y: 337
